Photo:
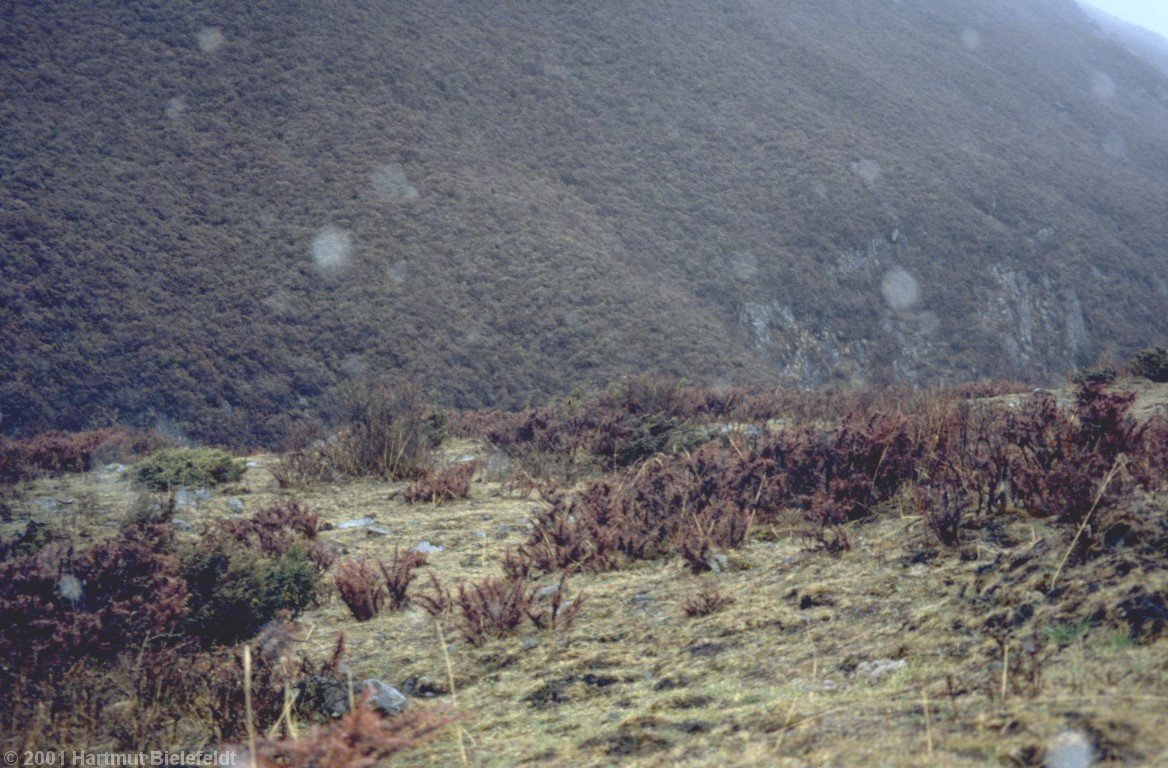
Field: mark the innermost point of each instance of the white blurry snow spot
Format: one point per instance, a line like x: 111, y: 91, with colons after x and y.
x: 900, y: 289
x: 868, y: 170
x: 355, y: 366
x: 210, y: 39
x: 971, y: 39
x: 169, y: 428
x: 1102, y: 86
x: 1069, y: 749
x: 397, y: 273
x: 391, y: 185
x: 331, y: 248
x: 176, y: 107
x: 929, y: 322
x: 1114, y: 146
x: 70, y: 587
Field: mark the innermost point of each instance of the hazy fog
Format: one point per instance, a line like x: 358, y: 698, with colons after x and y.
x: 1150, y: 14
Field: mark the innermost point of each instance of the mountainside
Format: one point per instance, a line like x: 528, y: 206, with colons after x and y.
x: 213, y: 213
x: 1144, y: 43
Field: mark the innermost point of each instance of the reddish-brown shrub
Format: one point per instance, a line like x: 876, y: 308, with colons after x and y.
x: 55, y: 452
x: 399, y: 575
x: 437, y: 604
x: 446, y: 484
x: 360, y: 588
x: 58, y: 606
x: 492, y: 608
x: 559, y: 611
x: 273, y: 530
x: 708, y: 600
x: 359, y: 739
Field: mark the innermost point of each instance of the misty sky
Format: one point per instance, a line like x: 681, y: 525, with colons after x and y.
x: 1152, y: 14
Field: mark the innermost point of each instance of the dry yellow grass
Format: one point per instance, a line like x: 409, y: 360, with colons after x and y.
x: 771, y: 680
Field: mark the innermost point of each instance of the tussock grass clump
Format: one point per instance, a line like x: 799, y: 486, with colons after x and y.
x: 382, y: 430
x: 707, y: 601
x: 187, y: 467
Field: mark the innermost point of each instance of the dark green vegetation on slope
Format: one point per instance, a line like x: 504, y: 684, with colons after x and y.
x: 530, y: 195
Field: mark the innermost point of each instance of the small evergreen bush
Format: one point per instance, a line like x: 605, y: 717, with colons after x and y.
x: 1151, y: 364
x: 190, y: 467
x: 235, y: 591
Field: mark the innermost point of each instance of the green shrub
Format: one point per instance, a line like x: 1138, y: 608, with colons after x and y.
x: 235, y: 591
x: 1103, y: 374
x: 190, y: 467
x: 652, y: 434
x: 1151, y: 364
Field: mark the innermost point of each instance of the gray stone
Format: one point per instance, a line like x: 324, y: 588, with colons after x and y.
x: 479, y: 534
x: 718, y: 563
x: 376, y: 530
x: 189, y: 497
x: 113, y: 470
x: 384, y: 698
x: 1070, y: 749
x: 502, y: 531
x: 361, y: 522
x: 876, y: 671
x: 46, y: 503
x: 252, y: 464
x: 545, y: 593
x: 235, y: 504
x: 182, y: 525
x: 426, y: 548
